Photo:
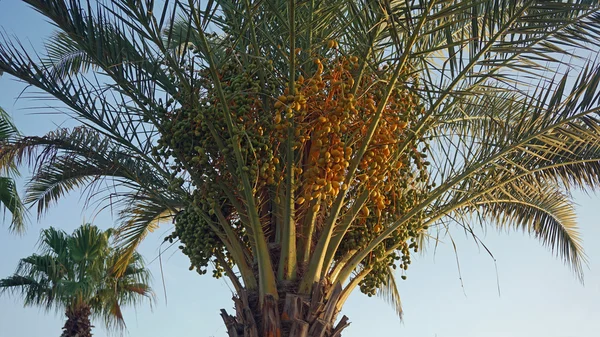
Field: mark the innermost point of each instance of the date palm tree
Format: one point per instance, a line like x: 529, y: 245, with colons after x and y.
x: 9, y: 197
x: 76, y: 274
x: 307, y: 148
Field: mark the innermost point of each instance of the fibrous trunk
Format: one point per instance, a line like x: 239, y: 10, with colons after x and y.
x: 293, y: 315
x: 78, y: 322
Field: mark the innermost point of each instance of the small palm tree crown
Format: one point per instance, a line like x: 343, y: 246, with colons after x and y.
x: 75, y: 273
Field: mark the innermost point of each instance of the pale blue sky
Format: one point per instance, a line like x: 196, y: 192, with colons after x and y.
x: 539, y: 296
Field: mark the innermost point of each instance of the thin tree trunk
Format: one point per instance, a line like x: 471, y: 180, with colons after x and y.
x: 292, y: 316
x: 78, y: 322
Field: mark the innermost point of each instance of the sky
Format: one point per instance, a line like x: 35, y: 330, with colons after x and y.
x: 523, y: 291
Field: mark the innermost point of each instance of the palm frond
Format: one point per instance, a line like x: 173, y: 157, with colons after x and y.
x: 7, y: 128
x: 64, y: 57
x: 66, y: 159
x: 34, y: 293
x: 515, y: 155
x: 128, y: 287
x: 538, y: 208
x: 140, y: 218
x: 54, y: 241
x: 390, y: 293
x: 9, y: 198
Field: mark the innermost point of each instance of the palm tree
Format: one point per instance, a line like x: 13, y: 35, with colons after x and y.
x: 76, y: 274
x: 9, y: 197
x: 307, y: 148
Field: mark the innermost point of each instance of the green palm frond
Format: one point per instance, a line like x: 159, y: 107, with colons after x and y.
x: 520, y: 37
x: 67, y: 159
x: 536, y: 207
x: 9, y: 196
x: 390, y: 293
x: 55, y: 241
x: 33, y: 292
x: 515, y: 156
x: 141, y: 217
x: 7, y: 128
x: 64, y: 57
x: 128, y: 287
x: 88, y: 241
x: 43, y: 266
x: 181, y: 38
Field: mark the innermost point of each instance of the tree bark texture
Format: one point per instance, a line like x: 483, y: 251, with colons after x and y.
x: 78, y: 322
x: 292, y: 315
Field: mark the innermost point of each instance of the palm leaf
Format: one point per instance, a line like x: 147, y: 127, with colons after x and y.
x: 67, y: 159
x: 9, y: 196
x: 141, y: 217
x: 537, y: 208
x: 64, y: 57
x: 33, y: 292
x: 390, y: 293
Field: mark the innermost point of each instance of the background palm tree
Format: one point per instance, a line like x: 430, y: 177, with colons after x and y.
x: 306, y: 149
x: 9, y: 197
x: 76, y: 274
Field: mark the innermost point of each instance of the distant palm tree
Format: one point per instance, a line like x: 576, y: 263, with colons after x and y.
x: 76, y: 274
x: 9, y: 198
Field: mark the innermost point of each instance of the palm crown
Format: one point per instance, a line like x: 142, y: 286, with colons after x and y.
x: 76, y: 272
x: 314, y: 145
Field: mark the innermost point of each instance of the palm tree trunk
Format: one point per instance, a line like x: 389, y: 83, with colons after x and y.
x: 78, y: 322
x: 292, y: 316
